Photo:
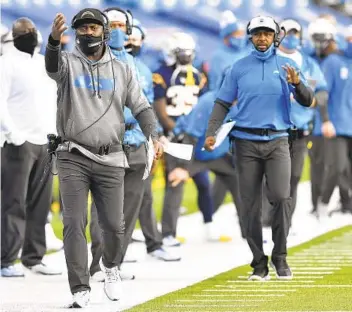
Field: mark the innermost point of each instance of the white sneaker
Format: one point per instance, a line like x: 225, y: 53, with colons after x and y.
x: 45, y: 270
x: 12, y: 271
x: 213, y: 235
x: 170, y: 241
x: 81, y: 299
x: 52, y: 242
x: 322, y: 210
x: 112, y: 284
x: 138, y: 236
x: 126, y: 276
x: 98, y: 277
x: 162, y: 254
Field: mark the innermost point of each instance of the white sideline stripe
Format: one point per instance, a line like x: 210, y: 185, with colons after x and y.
x: 314, y: 268
x: 321, y: 257
x: 307, y: 272
x: 271, y: 281
x: 295, y: 277
x: 224, y: 300
x: 238, y: 295
x: 207, y: 305
x: 286, y: 285
x: 322, y: 261
x: 249, y: 290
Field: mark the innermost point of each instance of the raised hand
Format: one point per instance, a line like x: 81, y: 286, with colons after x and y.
x: 292, y: 75
x: 58, y: 27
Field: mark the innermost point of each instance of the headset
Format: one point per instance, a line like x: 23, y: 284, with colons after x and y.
x: 129, y: 18
x: 106, y: 26
x: 277, y: 38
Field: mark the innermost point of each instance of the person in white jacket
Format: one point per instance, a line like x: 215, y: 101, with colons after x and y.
x: 28, y: 114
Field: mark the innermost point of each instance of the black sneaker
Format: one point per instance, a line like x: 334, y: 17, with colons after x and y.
x: 260, y: 274
x: 282, y: 269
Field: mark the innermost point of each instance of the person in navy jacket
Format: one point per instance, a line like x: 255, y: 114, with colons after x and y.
x: 260, y: 86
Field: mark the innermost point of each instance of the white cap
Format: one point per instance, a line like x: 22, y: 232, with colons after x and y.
x: 262, y: 22
x: 227, y: 18
x: 291, y: 24
x: 322, y: 27
x: 116, y: 16
x: 136, y: 33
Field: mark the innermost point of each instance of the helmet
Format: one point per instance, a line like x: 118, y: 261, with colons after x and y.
x: 185, y: 48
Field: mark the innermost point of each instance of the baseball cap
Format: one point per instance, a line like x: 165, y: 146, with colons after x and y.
x: 290, y: 24
x: 261, y: 22
x: 88, y: 15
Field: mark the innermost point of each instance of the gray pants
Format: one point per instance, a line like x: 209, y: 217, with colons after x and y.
x: 337, y: 170
x: 227, y: 174
x: 78, y: 175
x: 147, y: 219
x: 133, y: 195
x: 255, y: 160
x: 25, y: 203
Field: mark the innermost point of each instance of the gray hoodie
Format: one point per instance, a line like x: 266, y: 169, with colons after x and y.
x: 88, y: 90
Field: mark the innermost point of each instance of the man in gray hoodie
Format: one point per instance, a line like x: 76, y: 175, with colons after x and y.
x: 93, y: 88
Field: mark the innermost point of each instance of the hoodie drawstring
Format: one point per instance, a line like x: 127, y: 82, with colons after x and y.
x: 99, y: 96
x: 92, y: 78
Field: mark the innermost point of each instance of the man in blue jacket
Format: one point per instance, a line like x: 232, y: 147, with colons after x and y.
x: 302, y: 117
x: 232, y: 48
x: 337, y: 161
x: 261, y: 93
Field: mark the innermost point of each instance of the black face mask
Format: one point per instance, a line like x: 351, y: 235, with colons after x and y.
x: 84, y: 41
x: 27, y: 42
x: 133, y: 50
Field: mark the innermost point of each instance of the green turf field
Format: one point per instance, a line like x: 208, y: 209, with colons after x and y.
x: 189, y: 198
x: 322, y: 282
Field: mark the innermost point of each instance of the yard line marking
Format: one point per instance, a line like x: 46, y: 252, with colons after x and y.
x: 249, y: 290
x: 207, y: 305
x: 238, y: 295
x: 296, y: 277
x: 314, y: 268
x: 307, y: 272
x: 224, y: 300
x: 286, y: 285
x: 271, y: 281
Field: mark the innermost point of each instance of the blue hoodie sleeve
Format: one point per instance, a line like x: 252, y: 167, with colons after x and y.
x: 229, y: 88
x: 328, y: 67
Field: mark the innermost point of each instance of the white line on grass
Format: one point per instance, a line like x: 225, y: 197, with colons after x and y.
x: 285, y: 285
x: 224, y: 300
x: 238, y: 295
x: 314, y: 268
x: 275, y: 281
x: 207, y: 305
x: 320, y: 261
x: 308, y: 273
x: 296, y: 277
x: 249, y: 290
x: 321, y: 257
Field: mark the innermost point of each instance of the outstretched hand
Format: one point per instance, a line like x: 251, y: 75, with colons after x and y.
x: 58, y: 27
x: 292, y: 75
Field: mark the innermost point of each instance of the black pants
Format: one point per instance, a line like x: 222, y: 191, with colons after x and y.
x: 227, y: 174
x: 256, y: 159
x: 219, y: 191
x: 299, y: 149
x: 133, y: 195
x: 147, y: 219
x: 78, y: 175
x: 173, y: 198
x: 25, y: 203
x: 337, y: 170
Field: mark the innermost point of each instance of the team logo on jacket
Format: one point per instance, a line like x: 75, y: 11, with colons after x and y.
x: 86, y: 82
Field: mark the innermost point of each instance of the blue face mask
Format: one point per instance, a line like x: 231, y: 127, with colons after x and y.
x: 237, y: 43
x: 290, y: 42
x: 348, y: 50
x: 117, y: 39
x: 263, y: 56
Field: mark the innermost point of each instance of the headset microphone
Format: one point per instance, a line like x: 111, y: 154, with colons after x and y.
x: 90, y: 45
